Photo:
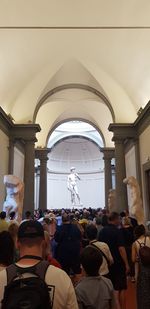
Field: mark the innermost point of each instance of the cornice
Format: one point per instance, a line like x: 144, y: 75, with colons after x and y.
x: 109, y: 152
x: 18, y: 132
x: 5, y: 122
x: 42, y: 153
x: 25, y: 132
x: 143, y: 120
x: 122, y: 131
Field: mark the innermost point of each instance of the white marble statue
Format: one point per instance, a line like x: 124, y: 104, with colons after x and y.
x: 112, y: 200
x: 136, y: 208
x: 14, y: 196
x: 72, y: 186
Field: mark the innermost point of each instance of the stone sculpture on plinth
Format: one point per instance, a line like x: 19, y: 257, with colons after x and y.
x: 136, y: 207
x: 72, y: 186
x: 14, y: 196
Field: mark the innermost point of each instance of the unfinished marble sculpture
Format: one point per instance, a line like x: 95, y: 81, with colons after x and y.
x: 112, y: 200
x: 14, y: 196
x: 136, y: 208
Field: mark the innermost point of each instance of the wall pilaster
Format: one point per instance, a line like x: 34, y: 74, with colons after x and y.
x: 42, y: 155
x: 122, y: 132
x: 109, y: 153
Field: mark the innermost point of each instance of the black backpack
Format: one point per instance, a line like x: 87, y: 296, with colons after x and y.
x: 144, y: 253
x: 26, y: 288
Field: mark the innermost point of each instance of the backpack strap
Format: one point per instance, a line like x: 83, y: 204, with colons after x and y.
x: 141, y: 244
x: 102, y: 253
x: 39, y: 269
x: 11, y: 272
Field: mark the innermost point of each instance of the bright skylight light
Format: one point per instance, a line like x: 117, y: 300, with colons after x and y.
x: 75, y: 127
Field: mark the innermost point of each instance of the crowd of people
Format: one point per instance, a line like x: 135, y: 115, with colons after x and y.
x: 87, y: 257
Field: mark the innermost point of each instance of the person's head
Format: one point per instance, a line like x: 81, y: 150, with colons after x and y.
x: 104, y: 220
x: 91, y: 260
x: 122, y: 214
x: 98, y: 221
x: 91, y: 231
x: 12, y: 215
x: 139, y: 231
x: 28, y: 214
x: 72, y: 169
x: 47, y: 220
x: 30, y: 237
x: 126, y: 221
x: 2, y: 215
x: 6, y: 248
x: 65, y: 218
x: 114, y: 218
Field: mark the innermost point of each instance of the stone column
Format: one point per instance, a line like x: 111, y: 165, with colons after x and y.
x: 26, y: 135
x: 41, y: 154
x: 11, y: 156
x: 121, y: 189
x: 121, y: 133
x: 37, y: 186
x: 29, y: 176
x: 109, y: 153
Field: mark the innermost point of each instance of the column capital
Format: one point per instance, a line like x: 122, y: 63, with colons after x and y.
x: 108, y: 152
x: 42, y: 153
x: 25, y: 132
x: 122, y: 131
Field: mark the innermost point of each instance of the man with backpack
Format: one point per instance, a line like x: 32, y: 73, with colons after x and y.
x: 32, y: 282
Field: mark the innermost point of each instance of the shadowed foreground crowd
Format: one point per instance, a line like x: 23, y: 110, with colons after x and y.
x: 85, y: 257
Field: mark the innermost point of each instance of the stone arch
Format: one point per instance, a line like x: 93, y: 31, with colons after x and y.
x: 73, y: 86
x: 71, y: 119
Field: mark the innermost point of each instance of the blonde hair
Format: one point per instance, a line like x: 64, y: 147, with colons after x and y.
x: 126, y: 221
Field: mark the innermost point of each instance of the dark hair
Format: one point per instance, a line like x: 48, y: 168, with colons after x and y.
x: 113, y: 216
x: 104, y: 220
x: 6, y: 248
x: 139, y: 231
x: 65, y: 218
x: 91, y: 231
x: 91, y: 260
x: 122, y: 214
x: 2, y: 215
x: 28, y: 214
x: 98, y: 220
x: 12, y: 215
x: 30, y: 229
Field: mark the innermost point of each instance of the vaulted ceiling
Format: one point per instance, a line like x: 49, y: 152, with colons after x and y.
x: 62, y: 60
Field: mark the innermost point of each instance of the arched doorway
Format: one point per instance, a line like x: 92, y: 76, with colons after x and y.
x: 75, y: 143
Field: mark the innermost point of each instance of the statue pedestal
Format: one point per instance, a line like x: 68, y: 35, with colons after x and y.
x: 79, y: 206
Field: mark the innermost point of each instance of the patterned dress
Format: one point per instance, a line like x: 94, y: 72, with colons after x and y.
x: 143, y: 287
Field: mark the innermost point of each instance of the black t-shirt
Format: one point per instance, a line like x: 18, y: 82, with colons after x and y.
x: 113, y: 237
x: 68, y: 237
x: 128, y: 236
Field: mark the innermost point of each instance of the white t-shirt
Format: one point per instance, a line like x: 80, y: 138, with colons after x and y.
x: 61, y: 289
x: 104, y: 248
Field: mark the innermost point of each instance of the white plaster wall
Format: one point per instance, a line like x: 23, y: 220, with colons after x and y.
x: 130, y: 168
x: 18, y: 168
x: 4, y: 143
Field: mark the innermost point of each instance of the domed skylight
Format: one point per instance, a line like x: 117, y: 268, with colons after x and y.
x: 75, y: 128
